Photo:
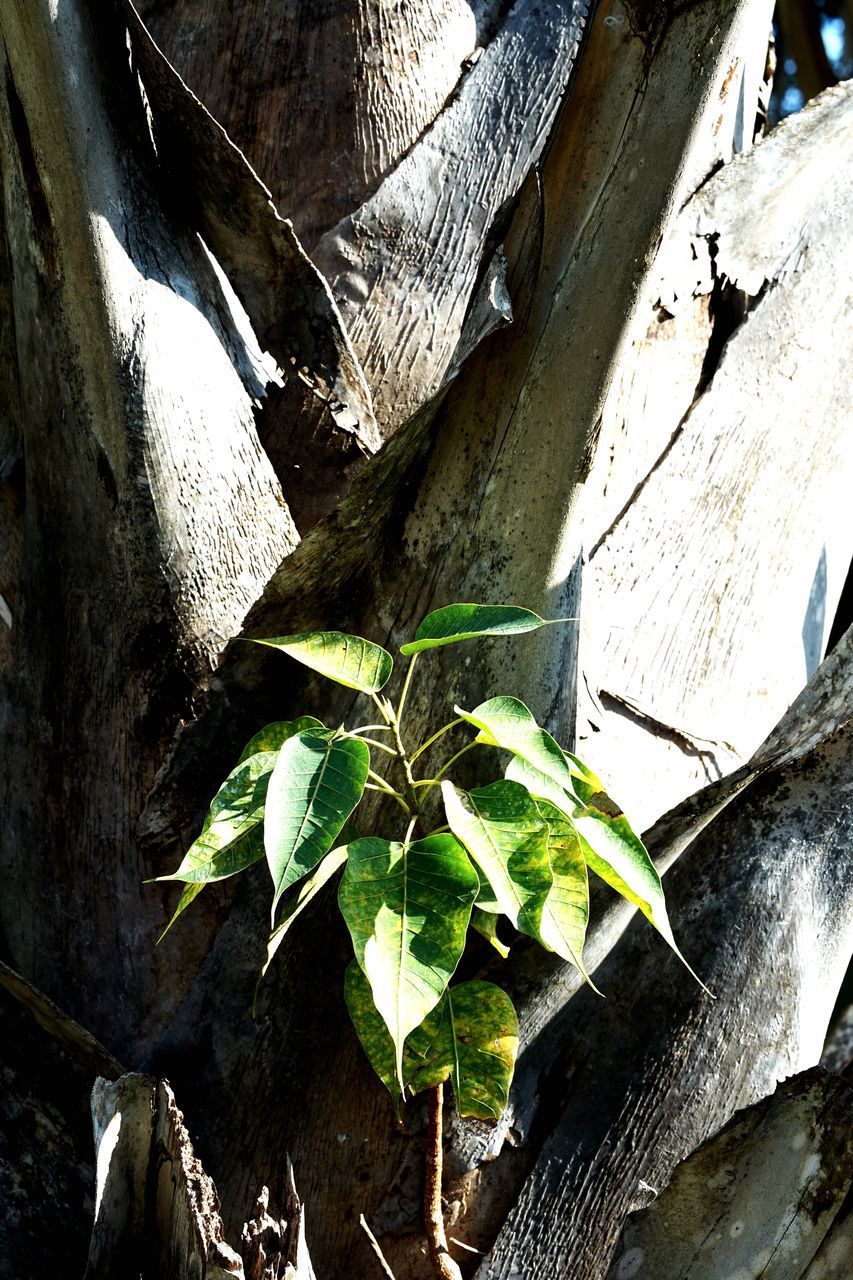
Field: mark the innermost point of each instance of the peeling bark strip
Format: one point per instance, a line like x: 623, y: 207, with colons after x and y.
x: 680, y: 640
x: 285, y: 296
x: 759, y: 1198
x: 403, y: 266
x: 157, y: 1211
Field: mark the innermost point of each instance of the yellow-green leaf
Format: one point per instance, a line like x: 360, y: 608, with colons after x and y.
x: 610, y: 846
x: 371, y: 1030
x: 273, y: 736
x: 348, y: 660
x: 471, y: 1039
x: 508, y: 723
x: 507, y: 837
x: 231, y: 838
x: 565, y: 912
x: 407, y: 906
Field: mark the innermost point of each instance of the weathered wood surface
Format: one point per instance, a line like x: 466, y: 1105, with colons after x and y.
x: 689, y: 657
x: 474, y: 520
x: 156, y: 1211
x: 761, y: 1197
x: 406, y: 538
x: 47, y: 1174
x: 762, y: 903
x: 214, y: 187
x: 404, y: 265
x: 324, y: 99
x: 152, y: 517
x: 486, y: 1170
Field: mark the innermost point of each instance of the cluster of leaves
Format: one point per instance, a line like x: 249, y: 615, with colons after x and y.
x: 520, y: 847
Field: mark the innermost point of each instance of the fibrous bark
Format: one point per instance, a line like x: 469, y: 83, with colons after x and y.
x: 154, y: 523
x: 764, y: 1195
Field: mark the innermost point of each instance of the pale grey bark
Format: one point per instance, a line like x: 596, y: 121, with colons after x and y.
x: 762, y: 902
x: 325, y: 99
x: 719, y: 554
x: 151, y: 370
x: 762, y: 1197
x: 146, y: 518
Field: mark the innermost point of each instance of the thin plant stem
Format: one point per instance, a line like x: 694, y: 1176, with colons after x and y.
x: 444, y: 729
x: 401, y: 750
x: 371, y: 728
x: 443, y: 770
x: 374, y: 1244
x: 434, y: 782
x: 381, y: 784
x: 386, y: 713
x: 405, y: 693
x: 443, y: 1265
x: 393, y: 795
x: 383, y: 746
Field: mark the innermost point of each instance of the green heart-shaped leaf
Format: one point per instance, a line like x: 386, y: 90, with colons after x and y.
x: 459, y: 622
x: 348, y: 660
x: 273, y: 736
x: 508, y: 723
x: 231, y: 839
x: 371, y: 1030
x: 507, y: 837
x: 317, y: 781
x: 407, y: 906
x: 471, y: 1039
x: 610, y: 846
x: 565, y: 912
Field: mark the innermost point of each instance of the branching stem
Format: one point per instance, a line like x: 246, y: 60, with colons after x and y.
x: 442, y: 1264
x: 405, y: 693
x: 435, y: 737
x: 382, y: 746
x: 380, y: 784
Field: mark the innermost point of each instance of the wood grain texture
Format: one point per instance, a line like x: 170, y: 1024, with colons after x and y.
x: 762, y: 902
x: 487, y: 1170
x: 153, y: 518
x: 156, y: 1210
x: 323, y: 97
x: 690, y: 658
x: 404, y: 265
x: 455, y: 507
x: 760, y: 1196
x: 287, y: 300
